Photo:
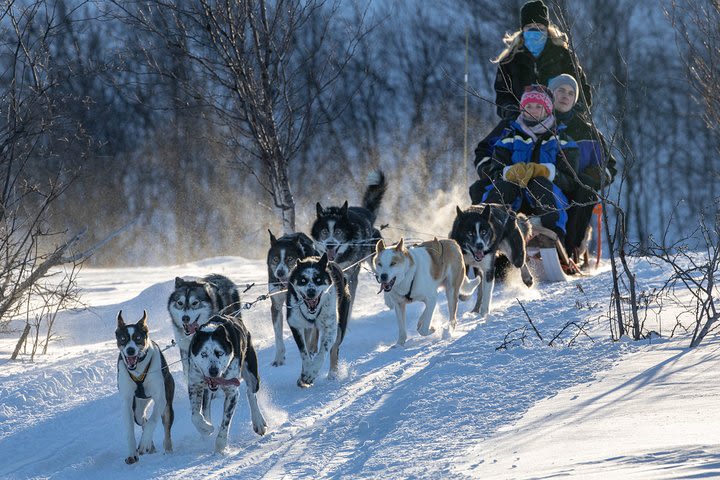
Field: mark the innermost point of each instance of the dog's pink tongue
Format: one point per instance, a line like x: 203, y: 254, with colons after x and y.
x: 131, y: 361
x: 312, y: 303
x: 192, y: 328
x: 331, y: 254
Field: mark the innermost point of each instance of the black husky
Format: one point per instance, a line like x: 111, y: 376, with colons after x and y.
x: 282, y: 257
x: 347, y: 234
x: 483, y: 231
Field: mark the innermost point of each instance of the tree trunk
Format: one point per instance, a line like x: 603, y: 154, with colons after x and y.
x: 700, y: 336
x: 20, y: 342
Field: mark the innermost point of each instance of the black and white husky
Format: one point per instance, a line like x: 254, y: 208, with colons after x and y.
x: 193, y: 302
x: 318, y: 306
x: 221, y: 352
x: 143, y: 379
x: 282, y: 257
x: 347, y: 234
x: 485, y: 230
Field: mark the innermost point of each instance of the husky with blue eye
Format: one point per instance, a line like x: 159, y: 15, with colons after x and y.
x: 221, y: 353
x: 144, y: 381
x: 318, y: 306
x: 193, y: 302
x: 282, y: 257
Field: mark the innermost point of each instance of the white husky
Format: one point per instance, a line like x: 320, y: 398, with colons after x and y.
x: 415, y: 274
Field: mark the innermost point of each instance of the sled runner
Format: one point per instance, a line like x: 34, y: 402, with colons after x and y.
x: 546, y: 252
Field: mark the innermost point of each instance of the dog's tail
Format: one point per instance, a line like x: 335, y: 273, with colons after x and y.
x: 525, y: 226
x: 468, y: 286
x: 375, y: 191
x: 343, y: 294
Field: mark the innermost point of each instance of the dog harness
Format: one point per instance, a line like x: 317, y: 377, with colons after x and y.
x: 139, y: 389
x: 407, y: 295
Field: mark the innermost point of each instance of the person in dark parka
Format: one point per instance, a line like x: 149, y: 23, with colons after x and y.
x: 596, y: 165
x: 534, y: 54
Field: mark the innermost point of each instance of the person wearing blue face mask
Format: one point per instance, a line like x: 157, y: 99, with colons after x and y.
x: 533, y: 55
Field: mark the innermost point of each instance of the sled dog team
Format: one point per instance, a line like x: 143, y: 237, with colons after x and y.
x: 320, y: 276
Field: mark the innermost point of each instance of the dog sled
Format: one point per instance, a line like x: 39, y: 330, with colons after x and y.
x: 548, y: 257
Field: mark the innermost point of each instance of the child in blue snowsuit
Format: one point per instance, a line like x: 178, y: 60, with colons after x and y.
x: 534, y: 162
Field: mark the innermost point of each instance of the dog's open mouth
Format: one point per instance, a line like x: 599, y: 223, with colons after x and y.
x: 478, y: 255
x: 311, y: 303
x: 191, y: 328
x: 282, y: 281
x: 331, y: 252
x: 387, y: 286
x: 214, y: 383
x: 131, y: 361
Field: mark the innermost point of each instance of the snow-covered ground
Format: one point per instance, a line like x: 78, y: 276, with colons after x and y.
x: 436, y: 408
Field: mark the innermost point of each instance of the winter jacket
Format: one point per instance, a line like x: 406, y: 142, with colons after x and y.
x: 524, y: 69
x: 596, y: 165
x: 557, y: 151
x: 484, y: 149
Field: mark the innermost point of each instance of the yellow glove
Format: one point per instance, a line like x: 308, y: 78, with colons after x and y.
x: 516, y: 174
x: 537, y: 170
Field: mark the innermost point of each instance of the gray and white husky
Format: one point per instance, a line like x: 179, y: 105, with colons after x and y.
x: 485, y: 230
x: 193, y: 302
x: 347, y: 234
x: 318, y: 306
x: 282, y: 257
x: 143, y: 380
x: 221, y: 353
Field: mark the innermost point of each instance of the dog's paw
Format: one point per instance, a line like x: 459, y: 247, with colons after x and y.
x: 132, y: 459
x: 261, y: 427
x: 304, y: 382
x: 400, y: 342
x: 447, y: 333
x: 426, y: 332
x: 202, y: 425
x: 278, y: 362
x: 220, y: 444
x: 333, y: 374
x: 146, y: 447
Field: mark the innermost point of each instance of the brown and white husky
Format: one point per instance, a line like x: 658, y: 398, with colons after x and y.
x: 414, y: 275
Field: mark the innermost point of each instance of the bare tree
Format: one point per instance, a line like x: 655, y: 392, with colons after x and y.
x: 695, y: 270
x: 33, y: 177
x: 256, y: 73
x: 697, y: 27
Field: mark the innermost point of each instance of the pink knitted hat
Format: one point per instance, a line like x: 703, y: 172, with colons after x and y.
x: 537, y: 94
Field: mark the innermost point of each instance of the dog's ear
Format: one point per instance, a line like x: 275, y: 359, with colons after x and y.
x: 143, y: 321
x: 344, y: 208
x: 322, y: 264
x: 179, y: 282
x: 120, y: 321
x: 380, y: 246
x: 400, y: 245
x: 485, y: 215
x: 319, y: 209
x: 458, y: 210
x: 273, y: 240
